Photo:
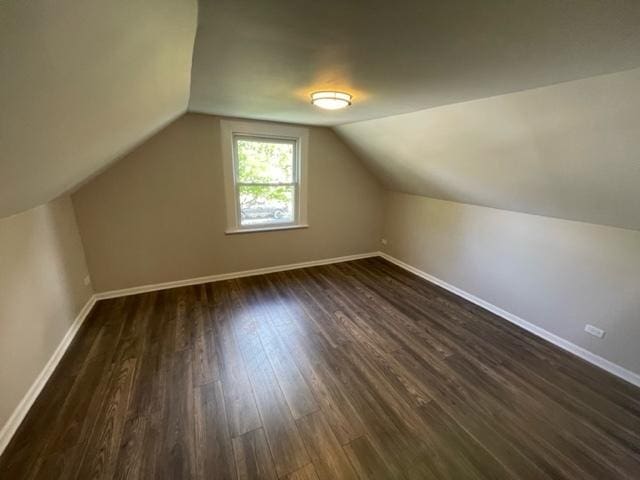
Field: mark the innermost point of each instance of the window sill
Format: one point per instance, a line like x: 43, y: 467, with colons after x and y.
x: 270, y: 228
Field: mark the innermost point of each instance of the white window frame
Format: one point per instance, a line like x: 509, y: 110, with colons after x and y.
x: 230, y: 130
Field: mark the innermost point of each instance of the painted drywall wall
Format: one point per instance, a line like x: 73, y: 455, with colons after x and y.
x: 556, y: 274
x: 158, y: 214
x: 42, y: 271
x: 569, y: 151
x: 81, y: 83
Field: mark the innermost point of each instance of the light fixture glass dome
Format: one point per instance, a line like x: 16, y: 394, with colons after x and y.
x: 331, y: 100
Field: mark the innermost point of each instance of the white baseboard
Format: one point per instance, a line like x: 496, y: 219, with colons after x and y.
x: 16, y: 418
x: 590, y: 357
x: 226, y: 276
x: 18, y: 415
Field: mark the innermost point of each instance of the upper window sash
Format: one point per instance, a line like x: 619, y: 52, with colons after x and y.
x: 270, y: 139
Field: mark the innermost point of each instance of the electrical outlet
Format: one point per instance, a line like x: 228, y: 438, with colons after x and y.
x: 87, y: 281
x: 383, y: 241
x: 595, y: 331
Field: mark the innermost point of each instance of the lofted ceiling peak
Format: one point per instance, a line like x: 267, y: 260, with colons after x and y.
x: 84, y: 82
x: 260, y: 59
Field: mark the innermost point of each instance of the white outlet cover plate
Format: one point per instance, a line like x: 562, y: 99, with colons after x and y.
x: 595, y: 331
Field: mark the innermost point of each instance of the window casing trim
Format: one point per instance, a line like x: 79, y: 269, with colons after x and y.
x: 231, y: 130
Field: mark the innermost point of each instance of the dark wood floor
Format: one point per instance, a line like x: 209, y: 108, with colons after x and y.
x: 353, y: 370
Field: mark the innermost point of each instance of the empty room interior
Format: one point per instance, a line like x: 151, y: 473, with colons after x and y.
x: 301, y: 240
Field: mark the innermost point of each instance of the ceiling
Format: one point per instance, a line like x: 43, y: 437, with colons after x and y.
x: 569, y: 150
x: 82, y: 82
x: 260, y: 59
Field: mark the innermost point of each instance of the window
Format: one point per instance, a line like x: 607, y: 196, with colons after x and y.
x: 264, y: 176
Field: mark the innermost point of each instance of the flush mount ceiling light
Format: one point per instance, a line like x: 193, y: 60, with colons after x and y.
x: 331, y: 100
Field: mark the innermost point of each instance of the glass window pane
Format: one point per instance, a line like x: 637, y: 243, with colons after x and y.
x: 261, y: 205
x: 264, y: 161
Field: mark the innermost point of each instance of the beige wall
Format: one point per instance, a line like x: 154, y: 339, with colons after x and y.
x: 158, y: 215
x: 42, y: 269
x: 556, y: 274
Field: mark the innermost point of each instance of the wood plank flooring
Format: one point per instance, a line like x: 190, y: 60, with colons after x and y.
x: 356, y: 370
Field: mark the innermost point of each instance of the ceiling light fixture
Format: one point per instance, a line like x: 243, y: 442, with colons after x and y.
x: 331, y: 100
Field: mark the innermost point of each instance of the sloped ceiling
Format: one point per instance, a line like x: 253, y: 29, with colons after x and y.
x: 81, y: 82
x: 570, y: 150
x: 261, y: 59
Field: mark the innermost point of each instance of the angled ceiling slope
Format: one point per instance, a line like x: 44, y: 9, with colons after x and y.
x: 261, y: 59
x: 81, y: 82
x: 517, y: 103
x: 570, y: 150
